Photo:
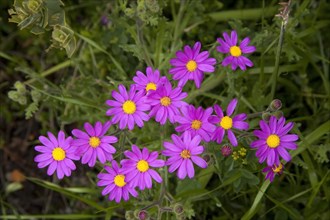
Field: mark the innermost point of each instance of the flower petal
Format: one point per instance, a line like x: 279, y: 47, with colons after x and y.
x: 231, y: 107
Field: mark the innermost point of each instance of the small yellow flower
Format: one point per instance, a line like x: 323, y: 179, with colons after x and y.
x: 235, y: 155
x: 242, y: 151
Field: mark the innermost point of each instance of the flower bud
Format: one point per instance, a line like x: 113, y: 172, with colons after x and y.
x: 276, y: 104
x: 278, y: 114
x: 104, y: 20
x: 178, y: 208
x: 207, y: 158
x: 226, y: 150
x: 266, y: 116
x: 143, y: 215
x: 129, y: 215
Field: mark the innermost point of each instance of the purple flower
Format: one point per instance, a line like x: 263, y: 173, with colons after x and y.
x: 229, y: 45
x: 57, y: 153
x: 94, y: 144
x: 104, y: 20
x: 138, y: 167
x: 190, y: 64
x: 226, y: 123
x: 195, y: 121
x: 150, y: 82
x: 165, y: 102
x: 116, y: 183
x: 128, y: 108
x: 274, y: 140
x: 182, y: 153
x: 272, y: 171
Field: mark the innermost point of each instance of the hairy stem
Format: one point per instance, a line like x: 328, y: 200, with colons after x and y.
x: 277, y: 61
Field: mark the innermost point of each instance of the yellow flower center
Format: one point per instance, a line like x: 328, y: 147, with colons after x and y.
x: 151, y: 86
x: 142, y: 166
x: 277, y: 169
x: 235, y: 51
x: 185, y: 154
x: 165, y: 101
x: 196, y: 124
x: 273, y: 141
x: 58, y: 154
x: 94, y: 142
x: 226, y: 122
x: 191, y: 65
x: 129, y: 107
x: 119, y: 180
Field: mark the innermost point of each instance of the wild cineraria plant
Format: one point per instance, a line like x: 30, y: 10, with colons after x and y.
x: 154, y: 96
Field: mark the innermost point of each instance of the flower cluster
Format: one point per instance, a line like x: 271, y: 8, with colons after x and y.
x: 154, y: 97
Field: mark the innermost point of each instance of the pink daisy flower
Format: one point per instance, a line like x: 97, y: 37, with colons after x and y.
x: 274, y: 140
x: 182, y: 153
x: 165, y: 102
x: 227, y: 123
x: 138, y: 167
x: 115, y: 183
x: 272, y: 171
x: 190, y: 64
x: 57, y: 153
x: 128, y: 108
x: 151, y: 81
x: 94, y: 144
x: 229, y: 45
x: 195, y: 121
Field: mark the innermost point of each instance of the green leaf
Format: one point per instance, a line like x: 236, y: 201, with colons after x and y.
x: 98, y: 47
x: 31, y: 109
x: 13, y: 187
x: 65, y: 192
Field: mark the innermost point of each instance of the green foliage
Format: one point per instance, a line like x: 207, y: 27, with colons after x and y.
x: 148, y: 11
x: 39, y: 16
x: 19, y: 95
x: 59, y: 93
x: 322, y: 152
x: 22, y: 96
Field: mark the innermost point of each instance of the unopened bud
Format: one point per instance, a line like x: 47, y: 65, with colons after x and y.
x: 104, y: 20
x: 276, y: 104
x: 226, y: 150
x: 207, y: 158
x: 129, y: 215
x: 143, y: 215
x: 266, y: 116
x: 278, y: 114
x: 178, y: 209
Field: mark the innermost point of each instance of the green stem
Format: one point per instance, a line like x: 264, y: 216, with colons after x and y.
x: 51, y: 70
x: 262, y: 72
x: 178, y: 22
x: 140, y: 38
x: 244, y: 14
x: 277, y: 61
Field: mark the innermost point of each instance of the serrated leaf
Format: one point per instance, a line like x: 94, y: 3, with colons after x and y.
x: 31, y: 109
x: 136, y: 50
x: 322, y: 153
